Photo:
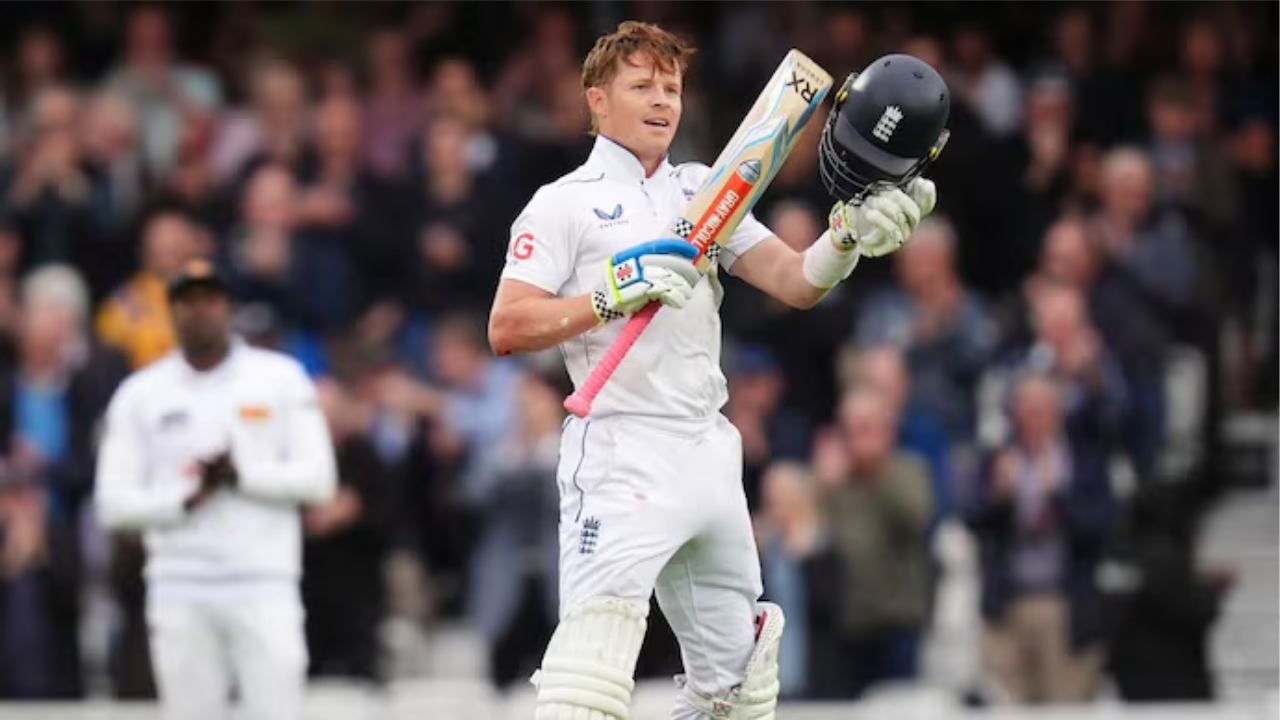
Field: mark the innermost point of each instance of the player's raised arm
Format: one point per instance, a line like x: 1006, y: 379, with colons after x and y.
x: 878, y: 226
x: 888, y: 123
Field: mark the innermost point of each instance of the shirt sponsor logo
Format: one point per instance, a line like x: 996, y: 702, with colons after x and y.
x: 255, y: 413
x: 173, y: 420
x: 617, y: 213
x: 611, y: 218
x: 521, y: 247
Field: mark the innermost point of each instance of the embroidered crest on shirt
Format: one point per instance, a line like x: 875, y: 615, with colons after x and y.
x: 590, y: 536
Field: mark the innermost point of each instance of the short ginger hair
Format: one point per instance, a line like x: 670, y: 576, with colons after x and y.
x: 665, y: 50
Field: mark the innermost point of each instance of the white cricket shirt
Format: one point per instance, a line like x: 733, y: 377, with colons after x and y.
x: 560, y: 242
x: 164, y: 418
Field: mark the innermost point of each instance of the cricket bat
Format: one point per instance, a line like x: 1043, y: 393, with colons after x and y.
x: 744, y: 169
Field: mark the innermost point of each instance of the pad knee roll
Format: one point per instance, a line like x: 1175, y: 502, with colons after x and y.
x: 588, y: 670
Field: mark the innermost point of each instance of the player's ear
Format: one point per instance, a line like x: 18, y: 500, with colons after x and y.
x: 597, y: 101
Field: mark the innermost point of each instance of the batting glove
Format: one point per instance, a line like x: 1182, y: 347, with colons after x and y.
x: 659, y: 270
x: 884, y: 221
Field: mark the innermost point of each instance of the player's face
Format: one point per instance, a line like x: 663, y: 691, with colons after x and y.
x: 202, y: 319
x: 641, y: 108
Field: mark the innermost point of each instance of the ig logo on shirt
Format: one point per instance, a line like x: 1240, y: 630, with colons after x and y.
x: 521, y: 247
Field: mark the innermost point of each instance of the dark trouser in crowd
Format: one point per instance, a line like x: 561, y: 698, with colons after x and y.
x: 845, y: 668
x: 1146, y: 424
x: 342, y: 634
x: 39, y: 647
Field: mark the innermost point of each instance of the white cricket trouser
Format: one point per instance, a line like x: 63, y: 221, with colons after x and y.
x: 653, y: 504
x: 208, y: 638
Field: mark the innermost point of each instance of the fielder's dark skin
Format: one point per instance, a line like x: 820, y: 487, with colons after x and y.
x: 202, y: 323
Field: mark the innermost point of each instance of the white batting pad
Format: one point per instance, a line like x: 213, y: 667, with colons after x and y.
x: 757, y: 697
x: 587, y: 672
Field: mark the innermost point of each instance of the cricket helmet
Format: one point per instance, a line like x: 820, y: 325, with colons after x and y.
x: 888, y: 123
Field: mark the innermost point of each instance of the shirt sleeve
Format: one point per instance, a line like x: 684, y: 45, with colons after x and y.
x: 542, y: 245
x: 749, y: 233
x: 126, y: 496
x: 304, y: 470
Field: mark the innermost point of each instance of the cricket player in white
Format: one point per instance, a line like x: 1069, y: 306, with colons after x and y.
x: 650, y: 483
x: 210, y: 451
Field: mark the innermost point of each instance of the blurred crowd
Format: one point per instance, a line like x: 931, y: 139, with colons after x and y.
x: 1012, y: 387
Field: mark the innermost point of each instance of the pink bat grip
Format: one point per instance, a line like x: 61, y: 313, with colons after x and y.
x: 579, y: 403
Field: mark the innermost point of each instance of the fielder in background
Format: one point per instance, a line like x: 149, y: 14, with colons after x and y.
x: 651, y: 482
x: 210, y: 451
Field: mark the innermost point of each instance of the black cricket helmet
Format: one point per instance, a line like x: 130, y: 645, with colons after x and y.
x: 888, y: 123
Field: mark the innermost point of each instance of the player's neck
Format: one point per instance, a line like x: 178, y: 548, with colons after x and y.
x: 649, y: 163
x: 205, y: 358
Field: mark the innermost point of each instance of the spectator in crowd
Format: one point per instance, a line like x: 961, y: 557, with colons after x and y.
x: 1249, y: 260
x: 1107, y: 97
x: 40, y: 66
x: 1041, y: 520
x: 984, y: 83
x: 269, y: 264
x: 1191, y: 172
x: 454, y: 246
x: 1041, y: 160
x: 878, y: 517
x: 50, y: 196
x: 135, y: 318
x: 270, y: 129
x: 883, y: 370
x: 847, y: 39
x: 796, y: 560
x: 1068, y: 258
x: 342, y: 556
x: 1203, y: 56
x: 114, y: 157
x: 1066, y: 347
x: 1145, y: 284
x: 531, y: 71
x: 518, y: 550
x: 770, y: 429
x: 55, y: 387
x: 941, y: 328
x: 167, y: 95
x: 490, y: 151
x: 337, y: 200
x: 394, y: 108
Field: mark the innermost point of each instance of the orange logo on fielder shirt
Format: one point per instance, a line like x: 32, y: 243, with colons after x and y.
x: 255, y: 413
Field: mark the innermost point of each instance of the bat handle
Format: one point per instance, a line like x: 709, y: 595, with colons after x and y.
x: 579, y: 403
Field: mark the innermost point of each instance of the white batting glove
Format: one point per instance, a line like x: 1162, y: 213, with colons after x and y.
x: 884, y: 221
x: 660, y: 270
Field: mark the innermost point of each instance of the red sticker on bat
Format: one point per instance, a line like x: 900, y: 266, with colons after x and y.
x: 735, y: 190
